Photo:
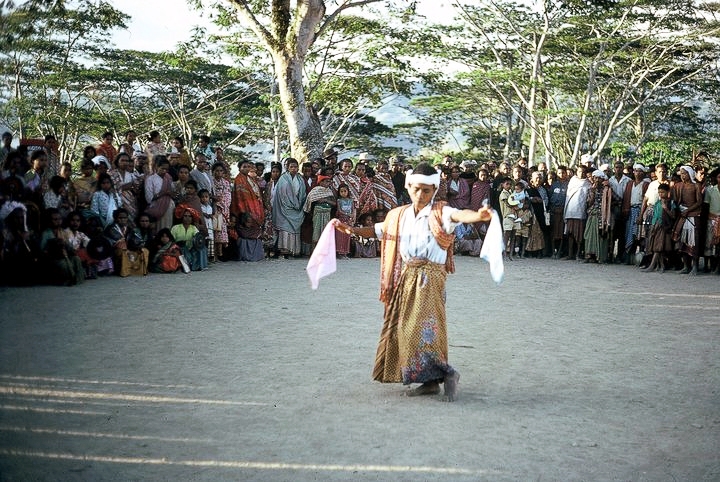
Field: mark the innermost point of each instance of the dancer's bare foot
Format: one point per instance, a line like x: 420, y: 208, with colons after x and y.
x: 427, y: 388
x: 451, y: 383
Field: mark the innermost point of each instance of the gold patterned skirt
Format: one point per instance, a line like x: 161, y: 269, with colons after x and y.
x: 413, y: 345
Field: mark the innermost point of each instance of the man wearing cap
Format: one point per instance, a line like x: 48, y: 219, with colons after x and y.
x: 331, y: 157
x: 618, y: 182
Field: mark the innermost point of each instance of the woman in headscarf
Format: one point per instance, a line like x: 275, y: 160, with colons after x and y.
x: 319, y: 204
x: 189, y: 238
x: 417, y: 242
x: 383, y: 187
x: 687, y: 195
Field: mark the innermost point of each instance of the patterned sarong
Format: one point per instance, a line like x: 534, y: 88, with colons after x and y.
x: 631, y: 227
x: 413, y: 345
x: 712, y: 240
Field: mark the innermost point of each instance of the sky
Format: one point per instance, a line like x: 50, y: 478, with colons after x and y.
x: 150, y: 32
x: 156, y: 33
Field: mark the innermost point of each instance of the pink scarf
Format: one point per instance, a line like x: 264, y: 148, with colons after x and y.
x: 322, y: 261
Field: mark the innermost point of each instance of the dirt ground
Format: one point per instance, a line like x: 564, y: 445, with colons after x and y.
x: 569, y: 372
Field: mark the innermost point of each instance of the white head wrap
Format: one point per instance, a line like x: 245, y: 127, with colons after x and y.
x: 412, y: 178
x: 599, y: 173
x: 639, y: 167
x: 690, y: 171
x: 11, y: 206
x: 98, y: 159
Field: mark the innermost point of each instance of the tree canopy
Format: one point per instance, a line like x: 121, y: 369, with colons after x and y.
x: 547, y: 80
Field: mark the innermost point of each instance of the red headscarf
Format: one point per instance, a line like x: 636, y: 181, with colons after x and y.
x: 182, y: 208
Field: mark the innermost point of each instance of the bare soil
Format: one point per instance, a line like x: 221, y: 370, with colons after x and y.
x: 569, y: 372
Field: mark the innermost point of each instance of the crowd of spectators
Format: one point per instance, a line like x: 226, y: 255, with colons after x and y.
x: 132, y: 210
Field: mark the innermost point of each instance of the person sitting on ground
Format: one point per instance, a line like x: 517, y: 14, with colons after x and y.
x: 167, y: 253
x: 79, y: 241
x: 131, y: 256
x: 189, y: 238
x: 19, y: 257
x: 63, y: 266
x: 85, y: 185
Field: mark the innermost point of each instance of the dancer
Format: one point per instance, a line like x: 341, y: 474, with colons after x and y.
x: 416, y: 257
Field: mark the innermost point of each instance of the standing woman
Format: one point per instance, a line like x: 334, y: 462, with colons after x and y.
x: 268, y: 236
x: 417, y: 255
x: 222, y: 195
x: 458, y: 193
x: 383, y: 187
x: 159, y: 194
x: 288, y: 214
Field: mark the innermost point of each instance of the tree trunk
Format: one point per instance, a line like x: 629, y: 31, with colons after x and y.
x: 306, y: 137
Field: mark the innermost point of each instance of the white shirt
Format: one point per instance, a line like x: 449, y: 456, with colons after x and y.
x: 618, y: 187
x: 153, y: 185
x: 416, y: 239
x: 636, y: 195
x: 651, y: 195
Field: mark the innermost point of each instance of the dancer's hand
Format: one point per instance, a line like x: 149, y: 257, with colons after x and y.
x: 342, y: 227
x: 485, y: 212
